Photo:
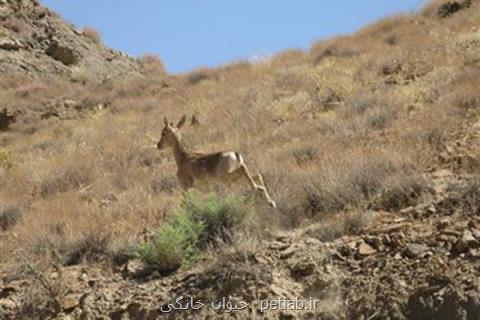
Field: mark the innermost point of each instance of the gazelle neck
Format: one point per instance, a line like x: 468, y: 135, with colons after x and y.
x: 179, y: 151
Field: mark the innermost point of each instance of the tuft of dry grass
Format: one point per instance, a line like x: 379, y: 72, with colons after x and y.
x: 92, y: 34
x: 9, y: 216
x: 152, y: 63
x: 29, y: 89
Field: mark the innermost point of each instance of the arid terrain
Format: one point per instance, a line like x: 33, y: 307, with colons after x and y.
x: 369, y: 143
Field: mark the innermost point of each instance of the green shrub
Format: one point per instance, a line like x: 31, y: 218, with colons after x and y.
x: 199, y: 221
x: 218, y: 217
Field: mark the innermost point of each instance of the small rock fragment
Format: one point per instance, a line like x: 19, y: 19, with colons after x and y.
x: 68, y: 303
x: 442, y: 173
x: 465, y: 242
x: 365, y: 249
x: 416, y: 250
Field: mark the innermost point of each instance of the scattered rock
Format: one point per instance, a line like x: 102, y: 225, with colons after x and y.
x: 416, y: 250
x: 476, y: 233
x: 6, y: 119
x: 7, y: 306
x: 70, y: 104
x: 49, y: 114
x: 442, y: 173
x: 8, y: 43
x: 466, y: 241
x: 136, y: 268
x: 302, y: 268
x: 4, y: 12
x: 68, y: 303
x: 365, y: 249
x: 277, y: 245
x: 286, y: 315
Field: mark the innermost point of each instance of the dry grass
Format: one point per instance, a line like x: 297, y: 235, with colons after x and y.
x: 348, y: 126
x: 152, y: 63
x: 92, y: 34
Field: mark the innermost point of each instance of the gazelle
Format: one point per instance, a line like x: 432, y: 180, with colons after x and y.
x: 226, y: 165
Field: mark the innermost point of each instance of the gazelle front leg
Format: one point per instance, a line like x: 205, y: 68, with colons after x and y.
x: 186, y: 181
x: 243, y: 169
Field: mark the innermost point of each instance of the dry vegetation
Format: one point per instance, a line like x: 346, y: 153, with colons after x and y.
x: 349, y: 125
x: 92, y: 34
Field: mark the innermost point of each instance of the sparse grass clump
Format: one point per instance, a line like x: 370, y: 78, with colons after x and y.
x: 92, y: 34
x: 200, y: 221
x: 9, y: 216
x: 94, y: 246
x: 199, y: 75
x: 65, y: 179
x: 29, y: 89
x: 152, y: 63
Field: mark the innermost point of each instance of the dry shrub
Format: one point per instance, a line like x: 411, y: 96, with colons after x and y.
x: 293, y: 79
x: 29, y: 89
x: 92, y: 34
x: 66, y: 230
x: 92, y: 247
x: 288, y: 58
x: 357, y: 104
x: 444, y: 9
x: 66, y: 179
x: 14, y: 24
x: 400, y: 191
x: 152, y: 63
x: 350, y: 223
x: 385, y: 28
x: 337, y: 48
x: 81, y: 76
x: 367, y: 110
x: 353, y: 181
x: 199, y: 75
x: 164, y: 184
x: 305, y: 154
x: 465, y: 95
x: 9, y: 216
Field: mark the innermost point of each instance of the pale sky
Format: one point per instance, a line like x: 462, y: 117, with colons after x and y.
x: 187, y: 34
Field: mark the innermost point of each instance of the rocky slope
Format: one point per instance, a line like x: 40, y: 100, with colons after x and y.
x: 37, y: 42
x: 419, y: 263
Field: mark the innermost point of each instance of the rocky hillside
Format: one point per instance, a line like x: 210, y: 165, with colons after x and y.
x: 419, y: 263
x: 369, y: 143
x: 36, y: 41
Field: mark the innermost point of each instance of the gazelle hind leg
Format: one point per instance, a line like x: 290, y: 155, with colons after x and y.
x: 267, y: 195
x: 255, y: 186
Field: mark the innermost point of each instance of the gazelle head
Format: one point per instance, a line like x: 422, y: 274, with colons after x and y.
x: 170, y: 133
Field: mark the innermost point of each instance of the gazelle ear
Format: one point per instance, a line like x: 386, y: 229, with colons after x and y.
x: 165, y: 121
x: 182, y: 121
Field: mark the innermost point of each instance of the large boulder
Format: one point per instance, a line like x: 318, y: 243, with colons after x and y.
x: 61, y: 52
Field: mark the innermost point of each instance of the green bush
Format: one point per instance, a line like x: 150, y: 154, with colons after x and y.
x: 199, y: 221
